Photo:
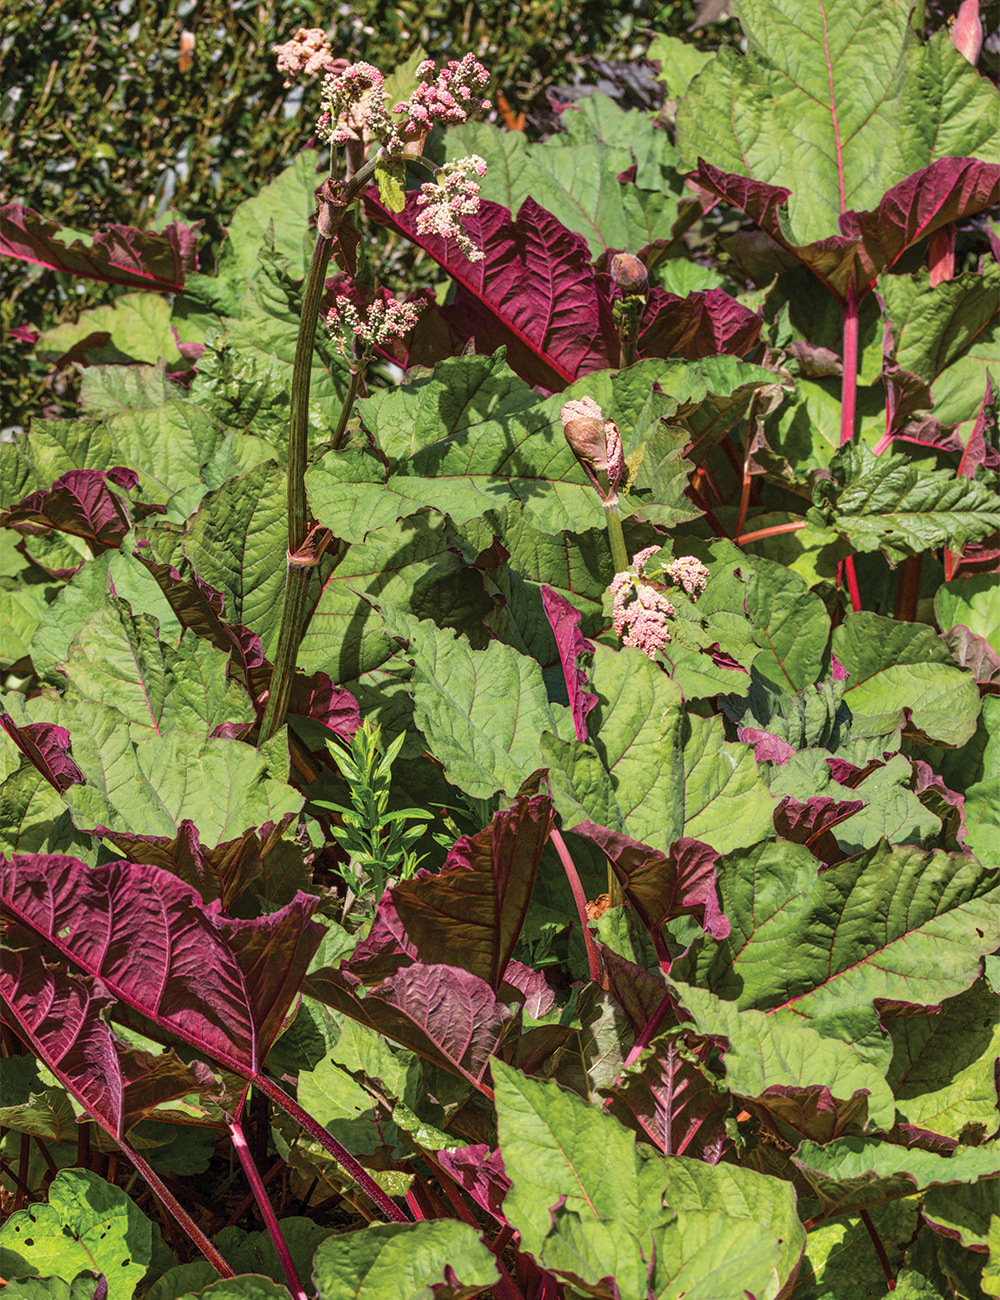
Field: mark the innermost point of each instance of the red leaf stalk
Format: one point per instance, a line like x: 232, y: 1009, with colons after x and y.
x: 266, y: 1209
x: 580, y: 899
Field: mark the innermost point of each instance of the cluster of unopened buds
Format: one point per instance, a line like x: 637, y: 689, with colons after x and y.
x: 355, y: 104
x: 307, y: 53
x: 454, y: 195
x: 641, y: 608
x: 386, y: 319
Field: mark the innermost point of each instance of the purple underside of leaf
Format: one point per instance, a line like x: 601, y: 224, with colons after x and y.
x: 470, y: 914
x: 767, y: 747
x: 814, y: 1112
x: 442, y: 1013
x: 811, y: 823
x: 949, y: 189
x: 82, y: 503
x: 704, y: 324
x: 673, y: 1102
x: 679, y: 883
x: 480, y: 1172
x: 534, y: 291
x: 564, y: 619
x: 221, y: 985
x: 60, y: 1014
x: 974, y: 652
x: 46, y: 747
x: 930, y: 788
x: 199, y: 608
x: 139, y: 259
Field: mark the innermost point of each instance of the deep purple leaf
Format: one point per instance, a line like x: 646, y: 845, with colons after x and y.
x: 674, y: 1102
x: 47, y: 748
x: 216, y: 873
x: 564, y: 619
x: 704, y: 324
x: 849, y: 774
x: 974, y: 652
x: 60, y: 1015
x: 470, y: 914
x: 920, y: 1139
x: 680, y: 883
x: 639, y: 992
x: 811, y: 823
x: 139, y: 259
x: 478, y: 1171
x: 813, y: 1112
x: 221, y: 985
x: 535, y: 290
x: 869, y: 242
x: 444, y: 1014
x: 82, y: 502
x: 530, y: 987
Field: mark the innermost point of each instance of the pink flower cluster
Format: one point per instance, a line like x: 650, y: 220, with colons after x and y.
x: 454, y: 195
x: 307, y: 52
x: 641, y: 611
x: 386, y: 319
x: 690, y: 574
x: 355, y: 109
x: 354, y: 105
x: 448, y: 96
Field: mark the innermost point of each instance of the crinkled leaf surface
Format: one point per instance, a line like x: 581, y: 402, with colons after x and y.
x: 802, y: 939
x: 402, y: 1261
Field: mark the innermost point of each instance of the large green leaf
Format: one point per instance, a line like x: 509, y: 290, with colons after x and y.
x: 589, y: 1206
x: 403, y: 1261
x: 895, y: 666
x: 482, y: 711
x: 766, y: 1052
x: 87, y: 1224
x: 892, y: 504
x: 651, y: 771
x: 972, y: 602
x: 942, y: 1071
x: 138, y: 325
x: 948, y: 334
x: 837, y: 102
x: 855, y: 1172
x: 574, y: 173
x: 935, y: 914
x: 282, y: 209
x: 117, y: 659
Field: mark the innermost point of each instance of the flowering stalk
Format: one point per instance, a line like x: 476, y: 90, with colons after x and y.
x: 355, y: 114
x: 629, y: 274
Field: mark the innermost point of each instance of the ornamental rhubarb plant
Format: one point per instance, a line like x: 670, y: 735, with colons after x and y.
x: 500, y: 710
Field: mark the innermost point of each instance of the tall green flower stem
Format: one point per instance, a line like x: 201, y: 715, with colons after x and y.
x: 335, y: 197
x: 616, y: 538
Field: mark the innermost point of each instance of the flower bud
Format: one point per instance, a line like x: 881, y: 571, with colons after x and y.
x: 597, y: 445
x: 967, y: 34
x: 628, y: 273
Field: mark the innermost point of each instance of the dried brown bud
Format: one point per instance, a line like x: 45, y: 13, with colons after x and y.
x: 596, y: 443
x: 628, y: 273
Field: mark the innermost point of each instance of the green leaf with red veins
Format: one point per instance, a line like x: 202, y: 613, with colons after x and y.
x: 803, y: 943
x: 837, y: 102
x: 894, y: 667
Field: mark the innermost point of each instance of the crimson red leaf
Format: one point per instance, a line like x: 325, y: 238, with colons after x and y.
x: 81, y: 502
x: 46, y: 747
x: 470, y: 914
x: 640, y: 992
x: 219, y: 984
x: 869, y: 242
x: 534, y: 291
x: 480, y: 1172
x: 60, y: 1016
x: 220, y: 873
x: 530, y: 987
x: 813, y: 1112
x: 703, y: 324
x: 811, y: 823
x: 139, y: 259
x: 444, y: 1014
x: 673, y: 1101
x: 564, y: 619
x: 680, y: 883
